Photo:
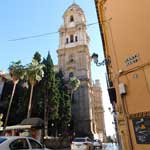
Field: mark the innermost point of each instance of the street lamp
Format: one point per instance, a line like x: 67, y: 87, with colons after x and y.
x: 111, y: 89
x: 52, y: 129
x: 106, y: 61
x: 52, y: 124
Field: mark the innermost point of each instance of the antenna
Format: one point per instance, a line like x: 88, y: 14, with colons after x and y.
x: 73, y: 1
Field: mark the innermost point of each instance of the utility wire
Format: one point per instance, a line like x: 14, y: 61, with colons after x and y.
x: 33, y: 36
x: 44, y: 34
x: 90, y: 24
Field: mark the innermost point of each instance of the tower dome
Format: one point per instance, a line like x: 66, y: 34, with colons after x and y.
x: 74, y: 15
x: 73, y: 31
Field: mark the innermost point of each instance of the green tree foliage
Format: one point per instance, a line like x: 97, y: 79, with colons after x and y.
x: 1, y: 122
x: 21, y: 96
x: 37, y: 98
x: 50, y: 99
x: 19, y: 104
x: 5, y: 97
x: 50, y: 92
x: 37, y: 57
x: 34, y: 73
x: 64, y: 103
x: 17, y: 72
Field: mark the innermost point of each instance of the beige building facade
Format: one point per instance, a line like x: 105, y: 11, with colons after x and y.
x: 74, y: 60
x: 125, y: 33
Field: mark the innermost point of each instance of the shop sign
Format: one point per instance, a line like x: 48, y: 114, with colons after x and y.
x: 142, y: 129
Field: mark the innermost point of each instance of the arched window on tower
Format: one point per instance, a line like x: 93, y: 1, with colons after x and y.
x: 71, y: 19
x: 71, y: 38
x: 76, y: 38
x: 67, y: 41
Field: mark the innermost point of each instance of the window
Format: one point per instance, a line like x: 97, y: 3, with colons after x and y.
x: 67, y: 40
x: 2, y: 140
x: 19, y: 144
x: 76, y: 38
x: 71, y: 19
x: 34, y: 144
x: 71, y: 38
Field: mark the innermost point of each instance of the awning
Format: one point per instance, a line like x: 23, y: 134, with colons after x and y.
x: 15, y: 127
x: 18, y: 127
x: 34, y: 122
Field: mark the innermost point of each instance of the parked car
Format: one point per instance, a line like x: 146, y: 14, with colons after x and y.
x: 20, y: 143
x: 97, y: 144
x: 81, y: 143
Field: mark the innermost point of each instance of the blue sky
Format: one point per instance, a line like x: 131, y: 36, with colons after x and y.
x: 23, y: 18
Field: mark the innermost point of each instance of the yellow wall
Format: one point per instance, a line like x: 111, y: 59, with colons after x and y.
x: 126, y: 31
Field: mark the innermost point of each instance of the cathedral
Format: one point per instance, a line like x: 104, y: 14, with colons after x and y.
x: 74, y: 60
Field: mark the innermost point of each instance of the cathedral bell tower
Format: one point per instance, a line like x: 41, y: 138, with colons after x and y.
x: 74, y: 60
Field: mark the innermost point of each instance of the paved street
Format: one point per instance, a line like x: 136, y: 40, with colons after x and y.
x: 105, y: 147
x: 110, y: 147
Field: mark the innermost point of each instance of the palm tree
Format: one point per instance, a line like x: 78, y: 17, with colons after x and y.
x: 16, y: 72
x: 34, y: 72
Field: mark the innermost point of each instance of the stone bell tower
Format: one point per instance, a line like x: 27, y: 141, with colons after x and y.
x: 74, y: 60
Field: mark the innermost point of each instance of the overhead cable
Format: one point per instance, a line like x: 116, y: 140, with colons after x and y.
x: 44, y: 34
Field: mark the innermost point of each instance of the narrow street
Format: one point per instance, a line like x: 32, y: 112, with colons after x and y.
x: 110, y: 147
x: 105, y: 147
